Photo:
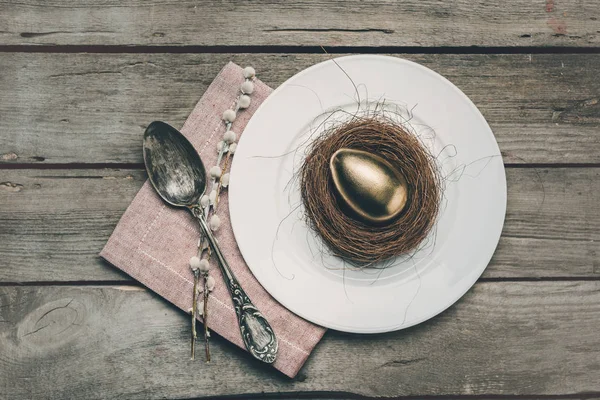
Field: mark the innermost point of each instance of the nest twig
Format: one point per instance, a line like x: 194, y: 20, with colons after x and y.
x: 351, y: 239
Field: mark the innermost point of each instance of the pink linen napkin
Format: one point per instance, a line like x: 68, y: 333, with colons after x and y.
x: 154, y: 242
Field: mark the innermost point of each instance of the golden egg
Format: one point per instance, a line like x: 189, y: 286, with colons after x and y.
x: 369, y: 187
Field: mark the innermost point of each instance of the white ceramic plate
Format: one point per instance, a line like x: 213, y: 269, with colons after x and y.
x: 288, y: 258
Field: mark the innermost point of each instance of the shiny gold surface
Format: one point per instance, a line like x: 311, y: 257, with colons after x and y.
x: 371, y: 188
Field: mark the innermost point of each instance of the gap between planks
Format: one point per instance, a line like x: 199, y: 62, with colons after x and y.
x: 135, y: 284
x: 134, y: 49
x: 139, y: 166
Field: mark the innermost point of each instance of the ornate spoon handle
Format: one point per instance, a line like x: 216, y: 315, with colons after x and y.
x: 257, y: 334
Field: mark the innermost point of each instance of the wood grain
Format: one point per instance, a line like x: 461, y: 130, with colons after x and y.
x: 53, y: 223
x: 502, y: 338
x: 427, y: 23
x: 63, y: 337
x: 93, y: 108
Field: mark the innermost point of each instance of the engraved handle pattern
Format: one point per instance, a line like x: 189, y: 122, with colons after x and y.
x: 257, y: 334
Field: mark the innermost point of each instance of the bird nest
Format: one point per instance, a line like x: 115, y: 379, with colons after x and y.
x: 347, y: 237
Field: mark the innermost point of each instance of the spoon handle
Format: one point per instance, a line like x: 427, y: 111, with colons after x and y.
x: 257, y: 334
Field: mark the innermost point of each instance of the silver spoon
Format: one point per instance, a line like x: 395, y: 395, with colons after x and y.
x: 178, y: 175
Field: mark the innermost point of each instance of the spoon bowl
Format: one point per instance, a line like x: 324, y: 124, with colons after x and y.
x: 174, y: 167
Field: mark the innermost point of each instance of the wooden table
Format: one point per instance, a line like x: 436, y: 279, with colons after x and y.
x: 79, y: 82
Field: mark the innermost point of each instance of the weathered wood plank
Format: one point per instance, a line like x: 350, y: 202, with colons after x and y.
x: 93, y: 108
x: 306, y: 23
x: 53, y: 223
x: 502, y: 338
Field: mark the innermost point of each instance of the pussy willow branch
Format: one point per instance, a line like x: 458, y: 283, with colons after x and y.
x: 220, y: 186
x: 209, y: 210
x: 194, y: 306
x: 205, y: 319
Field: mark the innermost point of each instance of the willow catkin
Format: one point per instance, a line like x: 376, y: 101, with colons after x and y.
x: 354, y: 240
